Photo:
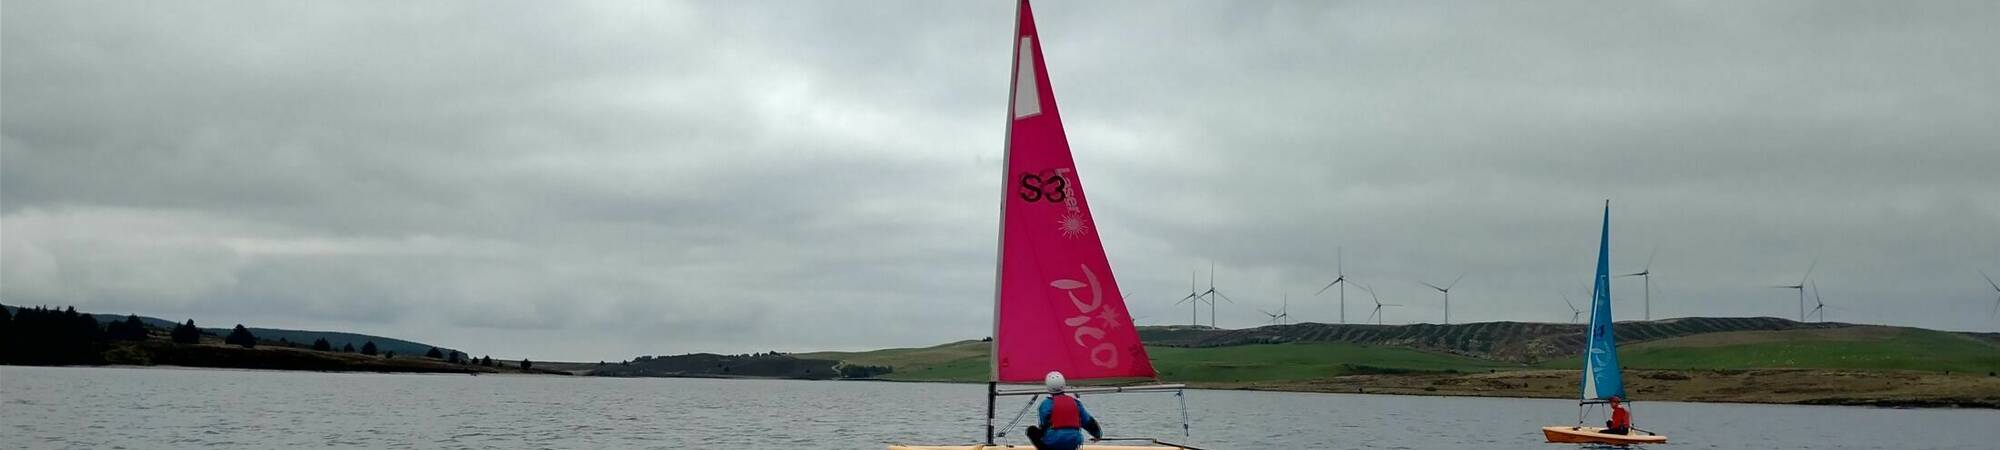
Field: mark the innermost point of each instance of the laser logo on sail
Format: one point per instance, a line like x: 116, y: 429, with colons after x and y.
x: 1054, y: 186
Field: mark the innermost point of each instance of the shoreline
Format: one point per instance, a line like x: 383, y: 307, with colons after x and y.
x: 1918, y: 390
x: 1775, y: 387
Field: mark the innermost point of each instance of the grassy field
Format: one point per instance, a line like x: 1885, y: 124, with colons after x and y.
x: 1838, y: 365
x: 1854, y: 348
x: 1273, y: 362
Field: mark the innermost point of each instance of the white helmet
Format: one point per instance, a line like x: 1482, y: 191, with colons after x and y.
x: 1055, y: 382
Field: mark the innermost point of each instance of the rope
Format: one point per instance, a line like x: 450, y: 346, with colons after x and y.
x: 1018, y: 416
x: 1185, y: 430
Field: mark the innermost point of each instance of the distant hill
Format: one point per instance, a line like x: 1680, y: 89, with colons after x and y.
x: 1316, y: 350
x: 1520, y: 342
x: 304, y: 337
x: 710, y: 365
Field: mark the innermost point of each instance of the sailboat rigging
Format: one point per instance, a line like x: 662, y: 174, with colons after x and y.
x: 1602, y: 380
x: 1056, y: 304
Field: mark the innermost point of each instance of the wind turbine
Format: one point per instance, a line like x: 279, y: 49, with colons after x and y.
x: 1573, y: 312
x: 1801, y: 287
x: 1194, y: 309
x: 1212, y: 294
x: 1996, y: 300
x: 1283, y: 312
x: 1447, y: 295
x: 1377, y: 315
x: 1820, y: 307
x: 1647, y: 273
x: 1340, y: 268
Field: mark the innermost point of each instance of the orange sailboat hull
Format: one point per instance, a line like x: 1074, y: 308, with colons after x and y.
x: 1596, y: 435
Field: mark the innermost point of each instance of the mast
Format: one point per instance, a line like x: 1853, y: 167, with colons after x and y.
x: 1000, y: 242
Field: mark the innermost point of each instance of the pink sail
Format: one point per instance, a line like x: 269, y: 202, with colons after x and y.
x: 1057, y: 307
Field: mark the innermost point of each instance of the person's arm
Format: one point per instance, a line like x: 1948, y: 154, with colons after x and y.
x: 1044, y: 412
x: 1089, y: 423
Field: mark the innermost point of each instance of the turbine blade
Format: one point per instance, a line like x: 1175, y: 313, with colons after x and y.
x: 1433, y: 286
x: 1809, y: 270
x: 1989, y: 280
x: 1328, y: 285
x: 1454, y: 281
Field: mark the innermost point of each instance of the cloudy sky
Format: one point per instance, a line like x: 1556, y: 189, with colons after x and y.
x: 601, y: 180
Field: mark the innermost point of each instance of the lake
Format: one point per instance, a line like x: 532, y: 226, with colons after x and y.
x: 145, y: 408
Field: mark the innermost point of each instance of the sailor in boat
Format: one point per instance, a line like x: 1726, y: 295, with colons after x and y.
x: 1063, y: 419
x: 1621, y: 420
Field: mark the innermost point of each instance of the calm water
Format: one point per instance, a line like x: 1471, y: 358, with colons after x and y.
x: 191, y: 408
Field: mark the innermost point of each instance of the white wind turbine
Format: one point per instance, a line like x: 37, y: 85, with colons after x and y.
x: 1194, y: 308
x: 1340, y: 278
x: 1447, y: 295
x: 1377, y: 315
x: 1801, y: 287
x: 1211, y: 294
x: 1573, y: 312
x: 1283, y: 311
x: 1647, y: 273
x: 1820, y: 305
x: 1996, y: 299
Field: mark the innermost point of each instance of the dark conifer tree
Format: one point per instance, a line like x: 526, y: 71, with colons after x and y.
x: 526, y: 364
x: 348, y: 348
x: 187, y: 333
x: 321, y: 345
x: 434, y: 353
x: 131, y: 329
x: 241, y: 336
x: 84, y: 329
x: 368, y: 348
x: 6, y: 334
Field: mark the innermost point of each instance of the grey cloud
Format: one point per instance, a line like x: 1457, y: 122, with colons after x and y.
x: 603, y: 180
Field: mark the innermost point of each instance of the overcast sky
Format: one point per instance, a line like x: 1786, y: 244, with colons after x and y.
x: 588, y: 181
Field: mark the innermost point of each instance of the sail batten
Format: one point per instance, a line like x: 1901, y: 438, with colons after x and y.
x: 1601, y: 377
x: 1057, y: 306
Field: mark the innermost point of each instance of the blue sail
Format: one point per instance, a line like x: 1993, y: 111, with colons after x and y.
x: 1601, y: 378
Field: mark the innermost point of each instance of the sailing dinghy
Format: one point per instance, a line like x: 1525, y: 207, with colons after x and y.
x: 1056, y: 306
x: 1601, y: 378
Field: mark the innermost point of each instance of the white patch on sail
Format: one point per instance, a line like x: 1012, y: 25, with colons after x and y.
x: 1027, y: 96
x: 1589, y: 377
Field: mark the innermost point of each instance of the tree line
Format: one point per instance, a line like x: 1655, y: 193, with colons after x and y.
x: 45, y: 336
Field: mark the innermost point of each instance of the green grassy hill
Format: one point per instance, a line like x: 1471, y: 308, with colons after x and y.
x: 967, y: 361
x: 1321, y: 351
x: 1857, y: 347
